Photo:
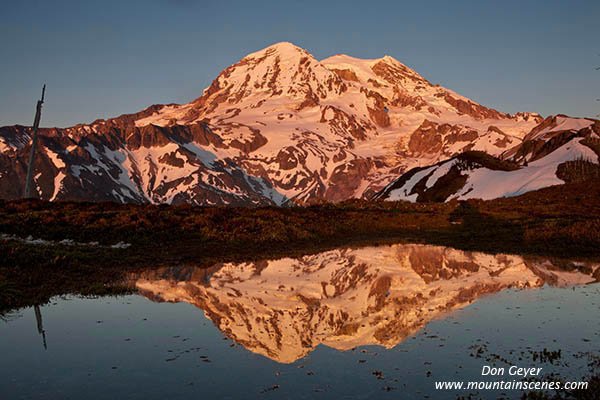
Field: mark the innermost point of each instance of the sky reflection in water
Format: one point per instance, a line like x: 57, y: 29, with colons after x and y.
x: 312, y: 327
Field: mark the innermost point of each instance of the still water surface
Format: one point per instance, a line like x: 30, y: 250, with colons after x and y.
x: 374, y: 322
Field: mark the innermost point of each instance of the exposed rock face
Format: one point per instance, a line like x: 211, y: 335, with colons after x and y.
x: 475, y: 110
x: 552, y: 133
x: 278, y: 126
x: 346, y: 74
x: 448, y: 140
x: 560, y: 150
x: 345, y: 298
x: 135, y: 164
x: 426, y: 138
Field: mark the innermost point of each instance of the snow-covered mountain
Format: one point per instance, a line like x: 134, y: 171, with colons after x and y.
x: 345, y: 298
x: 277, y: 126
x: 559, y: 150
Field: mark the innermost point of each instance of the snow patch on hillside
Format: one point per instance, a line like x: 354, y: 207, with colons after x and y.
x: 487, y: 184
x: 566, y: 124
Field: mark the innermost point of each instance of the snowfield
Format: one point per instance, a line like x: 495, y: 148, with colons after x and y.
x: 281, y: 127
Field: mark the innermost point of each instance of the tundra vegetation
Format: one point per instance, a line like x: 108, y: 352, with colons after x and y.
x: 560, y: 221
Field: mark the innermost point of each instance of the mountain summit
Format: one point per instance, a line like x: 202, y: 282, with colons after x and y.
x: 277, y: 127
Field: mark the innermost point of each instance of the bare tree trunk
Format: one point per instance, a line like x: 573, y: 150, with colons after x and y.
x: 36, y: 124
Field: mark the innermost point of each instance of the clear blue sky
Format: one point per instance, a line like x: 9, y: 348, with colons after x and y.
x: 104, y: 58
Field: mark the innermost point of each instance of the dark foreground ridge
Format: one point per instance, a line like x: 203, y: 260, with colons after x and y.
x: 560, y: 221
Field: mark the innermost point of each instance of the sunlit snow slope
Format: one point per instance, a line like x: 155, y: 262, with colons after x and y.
x: 559, y: 150
x: 278, y: 126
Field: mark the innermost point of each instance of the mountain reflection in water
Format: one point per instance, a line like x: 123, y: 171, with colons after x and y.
x: 345, y: 298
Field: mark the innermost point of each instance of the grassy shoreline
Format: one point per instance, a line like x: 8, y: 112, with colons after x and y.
x: 561, y: 221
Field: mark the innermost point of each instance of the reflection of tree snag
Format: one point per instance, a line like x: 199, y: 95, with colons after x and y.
x: 40, y: 324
